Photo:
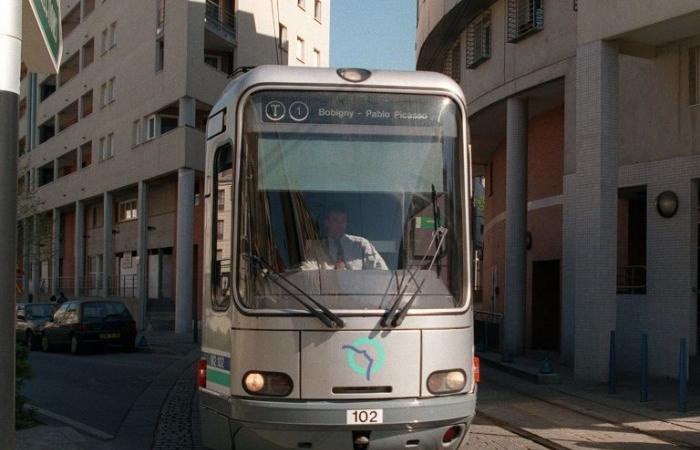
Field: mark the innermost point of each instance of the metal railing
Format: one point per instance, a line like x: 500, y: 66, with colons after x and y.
x: 220, y: 19
x: 123, y: 286
x: 632, y: 280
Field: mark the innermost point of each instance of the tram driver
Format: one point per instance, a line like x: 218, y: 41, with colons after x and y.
x: 339, y: 250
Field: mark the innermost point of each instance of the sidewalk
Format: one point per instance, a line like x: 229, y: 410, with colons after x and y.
x: 575, y: 415
x: 138, y: 427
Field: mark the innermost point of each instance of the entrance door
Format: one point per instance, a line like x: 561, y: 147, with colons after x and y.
x: 546, y: 305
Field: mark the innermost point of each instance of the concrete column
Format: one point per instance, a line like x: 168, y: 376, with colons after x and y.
x: 79, y: 272
x: 184, y: 249
x: 187, y: 113
x: 26, y: 256
x: 55, y: 251
x: 107, y: 242
x: 516, y: 225
x: 55, y: 169
x: 596, y: 207
x: 35, y: 257
x: 142, y: 244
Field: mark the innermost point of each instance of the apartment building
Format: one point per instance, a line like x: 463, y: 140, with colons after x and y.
x: 584, y: 120
x: 111, y: 149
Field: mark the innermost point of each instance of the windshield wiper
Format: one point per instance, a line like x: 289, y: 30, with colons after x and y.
x: 328, y: 317
x: 393, y: 317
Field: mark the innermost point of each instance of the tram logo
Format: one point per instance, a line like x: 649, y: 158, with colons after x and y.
x: 365, y: 356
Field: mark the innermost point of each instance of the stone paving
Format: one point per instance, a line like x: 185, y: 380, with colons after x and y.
x: 178, y: 424
x: 45, y: 437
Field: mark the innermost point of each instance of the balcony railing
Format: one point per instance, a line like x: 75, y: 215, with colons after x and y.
x: 220, y: 20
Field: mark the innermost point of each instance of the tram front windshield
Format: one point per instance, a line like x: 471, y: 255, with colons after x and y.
x: 352, y: 199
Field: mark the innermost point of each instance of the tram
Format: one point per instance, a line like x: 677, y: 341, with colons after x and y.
x: 338, y: 305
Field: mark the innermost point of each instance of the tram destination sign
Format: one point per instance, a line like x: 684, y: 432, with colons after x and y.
x: 41, y: 38
x: 352, y: 108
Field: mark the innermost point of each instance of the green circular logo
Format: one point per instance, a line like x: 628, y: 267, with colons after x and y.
x: 365, y: 356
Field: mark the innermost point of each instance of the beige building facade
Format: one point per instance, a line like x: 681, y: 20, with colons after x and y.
x: 584, y: 119
x: 111, y: 150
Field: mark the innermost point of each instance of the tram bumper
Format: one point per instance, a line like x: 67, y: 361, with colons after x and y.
x: 244, y: 424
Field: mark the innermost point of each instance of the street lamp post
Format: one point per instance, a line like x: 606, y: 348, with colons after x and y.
x: 10, y: 62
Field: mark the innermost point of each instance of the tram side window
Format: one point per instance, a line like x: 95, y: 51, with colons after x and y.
x: 222, y: 230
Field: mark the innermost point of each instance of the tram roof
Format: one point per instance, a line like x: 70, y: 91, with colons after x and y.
x: 313, y: 76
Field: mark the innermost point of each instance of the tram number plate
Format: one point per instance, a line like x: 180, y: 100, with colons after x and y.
x: 364, y: 416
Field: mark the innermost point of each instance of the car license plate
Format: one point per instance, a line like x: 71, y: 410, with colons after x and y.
x: 110, y: 335
x: 364, y: 416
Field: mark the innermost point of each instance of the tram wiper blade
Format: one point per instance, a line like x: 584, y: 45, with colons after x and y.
x: 325, y: 315
x: 395, y: 318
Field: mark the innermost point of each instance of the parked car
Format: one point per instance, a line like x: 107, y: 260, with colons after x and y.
x: 31, y: 318
x: 78, y: 324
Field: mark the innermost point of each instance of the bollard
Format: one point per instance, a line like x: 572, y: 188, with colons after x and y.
x: 682, y: 372
x: 612, y: 379
x: 644, y: 390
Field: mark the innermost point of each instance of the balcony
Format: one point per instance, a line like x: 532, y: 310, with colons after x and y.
x: 220, y: 20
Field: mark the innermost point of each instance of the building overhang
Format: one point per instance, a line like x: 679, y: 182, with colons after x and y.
x: 433, y: 49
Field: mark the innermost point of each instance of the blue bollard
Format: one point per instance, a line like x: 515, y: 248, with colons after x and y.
x: 682, y: 379
x: 612, y: 379
x: 644, y: 390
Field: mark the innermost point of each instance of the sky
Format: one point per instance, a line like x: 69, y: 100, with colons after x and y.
x: 375, y: 34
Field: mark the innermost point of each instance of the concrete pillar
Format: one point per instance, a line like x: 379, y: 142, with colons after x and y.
x: 142, y: 244
x: 107, y: 242
x: 184, y: 249
x: 55, y: 251
x: 516, y: 225
x: 187, y: 113
x: 26, y: 256
x: 596, y: 207
x: 35, y: 257
x: 79, y: 272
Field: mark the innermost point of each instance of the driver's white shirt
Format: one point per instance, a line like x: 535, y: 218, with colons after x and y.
x: 357, y: 253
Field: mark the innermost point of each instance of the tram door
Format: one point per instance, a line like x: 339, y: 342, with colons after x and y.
x: 546, y: 305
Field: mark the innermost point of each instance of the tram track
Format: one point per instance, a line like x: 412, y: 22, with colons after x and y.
x: 508, y: 421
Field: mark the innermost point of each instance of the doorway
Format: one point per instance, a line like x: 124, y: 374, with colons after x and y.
x: 546, y: 305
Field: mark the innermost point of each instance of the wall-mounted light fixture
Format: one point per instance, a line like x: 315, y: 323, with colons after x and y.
x: 667, y: 204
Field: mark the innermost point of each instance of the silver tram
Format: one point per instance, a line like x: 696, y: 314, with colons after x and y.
x: 337, y: 303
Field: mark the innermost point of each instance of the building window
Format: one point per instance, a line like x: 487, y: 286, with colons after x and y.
x: 479, y: 40
x: 317, y: 57
x: 694, y: 76
x: 103, y: 41
x: 317, y: 10
x: 632, y: 240
x: 151, y: 127
x: 136, y: 133
x: 107, y: 146
x: 524, y: 18
x: 113, y: 35
x: 22, y: 146
x: 107, y: 92
x: 219, y: 230
x: 300, y: 49
x: 160, y: 25
x: 88, y: 53
x: 85, y: 155
x: 213, y: 61
x: 284, y: 42
x: 160, y: 54
x: 128, y: 210
x: 452, y: 64
x: 22, y: 107
x: 221, y: 200
x: 301, y: 4
x: 86, y: 104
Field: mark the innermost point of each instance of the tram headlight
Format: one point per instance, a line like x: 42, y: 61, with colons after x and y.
x: 447, y: 381
x: 274, y: 384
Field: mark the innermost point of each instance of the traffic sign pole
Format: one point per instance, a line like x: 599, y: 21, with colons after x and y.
x: 10, y: 62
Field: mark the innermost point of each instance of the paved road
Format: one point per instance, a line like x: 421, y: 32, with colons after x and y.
x: 96, y: 389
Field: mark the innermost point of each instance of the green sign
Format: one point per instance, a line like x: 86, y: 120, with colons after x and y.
x: 42, y: 44
x: 48, y: 14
